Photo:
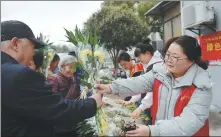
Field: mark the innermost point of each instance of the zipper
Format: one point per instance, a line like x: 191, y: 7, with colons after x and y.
x: 170, y: 93
x: 168, y: 109
x: 167, y: 84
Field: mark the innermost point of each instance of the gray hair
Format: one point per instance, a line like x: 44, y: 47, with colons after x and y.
x: 67, y: 59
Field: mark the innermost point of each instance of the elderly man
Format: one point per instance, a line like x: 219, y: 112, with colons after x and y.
x: 29, y: 107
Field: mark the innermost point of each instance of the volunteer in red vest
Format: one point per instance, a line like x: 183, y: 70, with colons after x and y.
x: 182, y: 91
x: 148, y: 56
x: 133, y: 69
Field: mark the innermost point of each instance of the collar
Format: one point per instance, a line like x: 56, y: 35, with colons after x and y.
x: 63, y: 76
x: 155, y: 58
x: 133, y: 62
x: 5, y: 58
x: 194, y: 75
x: 187, y: 78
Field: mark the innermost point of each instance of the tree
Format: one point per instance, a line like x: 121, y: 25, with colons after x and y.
x: 117, y: 27
x: 58, y: 49
x: 143, y: 7
x: 129, y: 4
x: 65, y: 49
x: 154, y: 22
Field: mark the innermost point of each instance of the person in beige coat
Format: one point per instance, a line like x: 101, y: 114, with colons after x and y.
x: 183, y: 69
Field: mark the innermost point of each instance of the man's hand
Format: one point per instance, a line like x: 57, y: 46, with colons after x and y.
x: 98, y: 99
x: 103, y: 88
x: 136, y: 113
x: 141, y: 130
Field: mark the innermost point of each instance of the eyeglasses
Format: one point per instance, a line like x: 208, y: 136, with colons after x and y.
x: 174, y: 59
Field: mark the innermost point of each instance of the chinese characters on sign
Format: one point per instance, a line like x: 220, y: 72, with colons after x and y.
x: 217, y: 46
x: 211, y: 46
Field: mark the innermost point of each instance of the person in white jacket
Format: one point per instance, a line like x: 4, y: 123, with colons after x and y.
x: 148, y: 57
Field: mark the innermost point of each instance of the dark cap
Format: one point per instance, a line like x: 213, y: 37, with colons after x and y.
x: 14, y: 28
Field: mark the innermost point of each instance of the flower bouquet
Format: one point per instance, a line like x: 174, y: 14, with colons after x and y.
x: 111, y: 118
x: 90, y: 57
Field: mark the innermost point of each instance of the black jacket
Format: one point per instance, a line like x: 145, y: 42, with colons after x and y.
x: 30, y: 108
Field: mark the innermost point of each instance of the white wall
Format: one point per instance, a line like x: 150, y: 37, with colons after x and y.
x: 215, y: 71
x: 217, y: 7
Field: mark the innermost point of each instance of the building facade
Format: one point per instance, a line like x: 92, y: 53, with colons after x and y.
x: 169, y: 11
x: 173, y: 25
x: 214, y: 70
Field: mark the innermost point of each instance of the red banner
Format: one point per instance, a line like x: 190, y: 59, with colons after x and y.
x: 211, y: 46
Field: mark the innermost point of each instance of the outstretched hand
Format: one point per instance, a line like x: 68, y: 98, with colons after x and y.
x: 103, y: 88
x: 136, y: 113
x: 125, y: 103
x: 98, y: 99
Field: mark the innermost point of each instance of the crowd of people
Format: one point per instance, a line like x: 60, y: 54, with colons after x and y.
x: 179, y: 86
x: 173, y: 89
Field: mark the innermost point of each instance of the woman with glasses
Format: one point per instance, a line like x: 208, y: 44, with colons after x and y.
x: 182, y: 91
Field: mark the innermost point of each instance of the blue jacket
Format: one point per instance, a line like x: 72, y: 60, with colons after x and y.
x: 55, y: 70
x: 30, y: 108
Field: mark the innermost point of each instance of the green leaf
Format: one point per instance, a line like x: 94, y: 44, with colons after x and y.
x: 76, y: 33
x: 71, y: 37
x: 95, y: 40
x: 87, y: 35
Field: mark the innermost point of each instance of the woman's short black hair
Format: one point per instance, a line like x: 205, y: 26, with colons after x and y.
x: 38, y: 58
x: 123, y: 56
x: 143, y: 47
x: 55, y: 58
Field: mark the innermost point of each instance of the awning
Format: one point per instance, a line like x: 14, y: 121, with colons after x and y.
x: 161, y: 7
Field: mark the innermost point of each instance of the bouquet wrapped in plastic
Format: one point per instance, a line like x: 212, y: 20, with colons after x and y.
x: 90, y: 58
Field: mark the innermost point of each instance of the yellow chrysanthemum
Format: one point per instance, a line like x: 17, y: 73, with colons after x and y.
x: 50, y: 56
x: 100, y: 56
x: 85, y: 52
x: 102, y: 122
x: 104, y: 125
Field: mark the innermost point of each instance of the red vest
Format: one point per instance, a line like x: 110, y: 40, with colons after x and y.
x: 181, y: 103
x: 137, y: 68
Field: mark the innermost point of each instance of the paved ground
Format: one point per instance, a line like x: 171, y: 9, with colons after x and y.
x: 214, y: 118
x: 215, y: 123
